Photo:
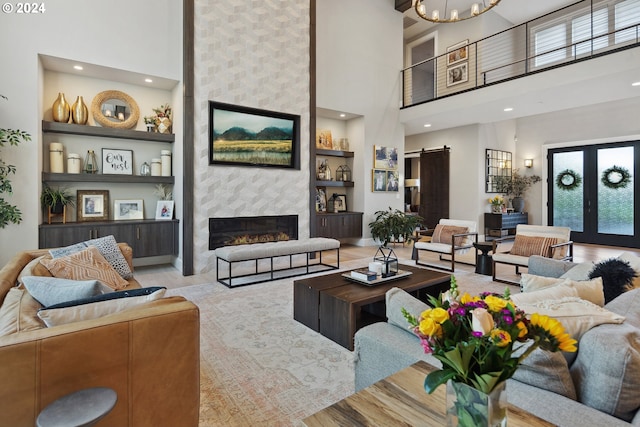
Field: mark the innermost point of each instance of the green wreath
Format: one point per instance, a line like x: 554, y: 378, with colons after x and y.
x: 568, y: 180
x: 615, y: 177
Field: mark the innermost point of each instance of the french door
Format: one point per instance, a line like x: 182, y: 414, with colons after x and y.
x: 594, y: 191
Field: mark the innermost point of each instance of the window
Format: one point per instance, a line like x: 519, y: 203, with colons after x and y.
x: 627, y: 13
x: 588, y: 32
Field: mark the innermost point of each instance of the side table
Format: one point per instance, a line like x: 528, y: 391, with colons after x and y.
x: 484, y: 262
x: 82, y: 408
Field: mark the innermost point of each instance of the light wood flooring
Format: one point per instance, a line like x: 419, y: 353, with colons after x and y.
x: 169, y: 276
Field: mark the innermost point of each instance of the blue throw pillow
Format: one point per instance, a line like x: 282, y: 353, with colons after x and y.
x: 49, y: 291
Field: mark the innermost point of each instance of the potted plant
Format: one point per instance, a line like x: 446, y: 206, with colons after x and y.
x: 516, y: 186
x: 56, y: 199
x: 393, y: 225
x: 9, y: 213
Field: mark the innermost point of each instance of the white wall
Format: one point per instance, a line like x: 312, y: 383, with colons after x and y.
x: 359, y: 58
x: 92, y: 32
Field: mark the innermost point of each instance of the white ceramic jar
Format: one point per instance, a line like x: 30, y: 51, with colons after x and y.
x: 74, y: 163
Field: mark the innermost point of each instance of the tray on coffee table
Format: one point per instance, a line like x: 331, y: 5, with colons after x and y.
x: 399, y: 275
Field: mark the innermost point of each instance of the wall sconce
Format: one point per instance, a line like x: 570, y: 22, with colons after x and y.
x: 528, y: 163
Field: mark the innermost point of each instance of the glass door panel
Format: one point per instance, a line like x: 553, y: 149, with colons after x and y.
x: 567, y: 197
x: 615, y: 191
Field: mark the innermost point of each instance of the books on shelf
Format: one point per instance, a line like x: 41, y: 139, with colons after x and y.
x: 364, y: 274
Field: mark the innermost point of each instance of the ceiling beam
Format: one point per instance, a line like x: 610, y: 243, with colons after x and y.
x: 403, y: 5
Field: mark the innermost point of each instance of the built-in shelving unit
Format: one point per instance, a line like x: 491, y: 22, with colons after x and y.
x: 73, y: 129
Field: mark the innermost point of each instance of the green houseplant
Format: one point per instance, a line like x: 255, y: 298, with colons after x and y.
x: 56, y: 199
x: 9, y: 214
x: 516, y: 186
x: 393, y: 225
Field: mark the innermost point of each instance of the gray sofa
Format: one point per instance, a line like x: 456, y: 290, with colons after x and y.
x: 384, y: 348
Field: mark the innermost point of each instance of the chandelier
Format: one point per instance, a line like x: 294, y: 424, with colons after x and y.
x: 428, y: 9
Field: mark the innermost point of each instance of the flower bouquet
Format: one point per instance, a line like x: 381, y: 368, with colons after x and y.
x: 496, y: 204
x: 481, y: 341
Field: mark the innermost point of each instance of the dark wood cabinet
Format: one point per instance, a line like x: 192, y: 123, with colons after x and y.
x: 146, y: 237
x: 498, y: 225
x: 339, y: 225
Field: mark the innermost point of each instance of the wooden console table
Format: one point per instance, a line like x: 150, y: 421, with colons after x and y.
x: 400, y: 400
x: 497, y: 225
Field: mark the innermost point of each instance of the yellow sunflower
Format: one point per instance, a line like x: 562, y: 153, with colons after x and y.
x: 552, y: 334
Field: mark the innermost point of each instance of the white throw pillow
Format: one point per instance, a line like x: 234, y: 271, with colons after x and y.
x: 534, y: 286
x: 86, y: 311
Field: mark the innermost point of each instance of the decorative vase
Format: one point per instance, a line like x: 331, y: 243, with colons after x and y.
x: 163, y: 124
x: 79, y: 112
x: 496, y: 208
x: 518, y: 204
x: 90, y: 162
x: 469, y: 407
x: 61, y: 109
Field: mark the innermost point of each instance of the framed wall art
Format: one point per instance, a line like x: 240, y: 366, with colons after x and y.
x: 164, y: 209
x: 392, y: 180
x: 378, y: 180
x: 340, y: 203
x: 128, y: 209
x: 458, y: 74
x: 93, y: 205
x: 117, y: 162
x: 243, y: 136
x: 385, y: 157
x: 458, y: 52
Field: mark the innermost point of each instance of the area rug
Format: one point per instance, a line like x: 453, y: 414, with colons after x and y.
x: 260, y: 367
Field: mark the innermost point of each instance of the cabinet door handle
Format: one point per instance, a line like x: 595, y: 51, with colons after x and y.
x: 138, y: 233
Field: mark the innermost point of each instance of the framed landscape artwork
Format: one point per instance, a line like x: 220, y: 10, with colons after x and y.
x: 128, y: 209
x: 243, y: 136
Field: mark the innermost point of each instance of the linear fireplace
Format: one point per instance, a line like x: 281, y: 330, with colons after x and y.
x: 251, y: 229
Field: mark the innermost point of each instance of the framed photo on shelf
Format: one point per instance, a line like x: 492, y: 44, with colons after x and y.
x: 341, y: 203
x: 458, y: 52
x: 321, y: 200
x: 117, y: 162
x: 458, y: 74
x: 128, y: 209
x: 93, y: 205
x: 378, y: 180
x: 164, y: 209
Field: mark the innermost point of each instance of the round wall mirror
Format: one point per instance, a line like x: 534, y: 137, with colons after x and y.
x: 115, y: 109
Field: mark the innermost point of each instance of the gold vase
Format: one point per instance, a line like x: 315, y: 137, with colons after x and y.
x: 79, y: 112
x: 61, y: 109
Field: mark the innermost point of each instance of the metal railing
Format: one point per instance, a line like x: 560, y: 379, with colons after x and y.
x: 516, y: 52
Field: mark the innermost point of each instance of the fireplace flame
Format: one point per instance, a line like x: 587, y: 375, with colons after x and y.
x: 257, y: 238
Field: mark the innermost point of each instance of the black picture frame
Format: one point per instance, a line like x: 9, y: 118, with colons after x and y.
x: 245, y: 136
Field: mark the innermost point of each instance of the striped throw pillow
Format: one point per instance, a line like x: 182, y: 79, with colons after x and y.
x: 443, y: 234
x: 532, y: 245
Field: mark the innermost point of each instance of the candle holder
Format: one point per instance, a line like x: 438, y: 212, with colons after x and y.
x: 388, y: 259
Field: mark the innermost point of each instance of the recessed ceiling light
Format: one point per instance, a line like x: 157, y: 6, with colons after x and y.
x: 343, y: 115
x: 635, y: 84
x: 78, y: 67
x: 427, y: 125
x: 148, y: 80
x: 508, y: 109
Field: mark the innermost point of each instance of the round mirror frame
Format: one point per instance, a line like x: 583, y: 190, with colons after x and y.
x: 96, y: 109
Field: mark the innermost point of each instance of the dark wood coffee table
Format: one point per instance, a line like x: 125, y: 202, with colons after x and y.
x: 337, y: 307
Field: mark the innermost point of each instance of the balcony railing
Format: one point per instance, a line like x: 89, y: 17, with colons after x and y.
x: 582, y: 31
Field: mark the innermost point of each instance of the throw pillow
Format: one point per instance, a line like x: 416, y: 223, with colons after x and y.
x: 18, y: 312
x: 617, y: 277
x: 444, y: 233
x: 395, y: 300
x: 576, y: 315
x: 538, y: 289
x: 98, y: 306
x: 84, y: 265
x: 107, y: 246
x: 532, y: 245
x: 579, y: 272
x: 607, y: 369
x: 634, y: 262
x: 532, y: 282
x: 548, y: 371
x: 52, y: 290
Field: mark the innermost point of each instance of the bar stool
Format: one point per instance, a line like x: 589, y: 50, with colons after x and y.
x: 79, y: 409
